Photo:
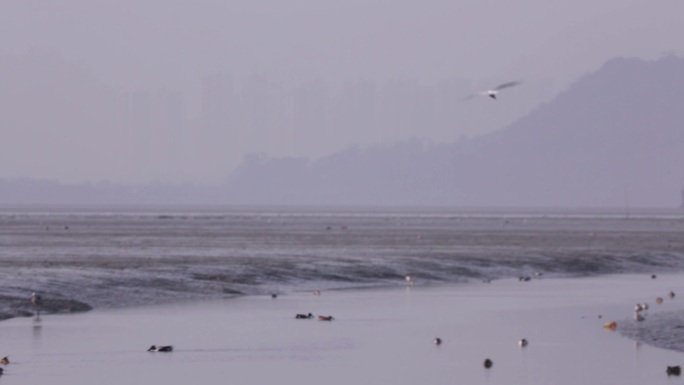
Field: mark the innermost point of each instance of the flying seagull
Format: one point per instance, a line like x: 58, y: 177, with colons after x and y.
x: 492, y: 92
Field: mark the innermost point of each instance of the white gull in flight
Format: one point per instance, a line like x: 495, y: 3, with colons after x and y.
x: 492, y: 92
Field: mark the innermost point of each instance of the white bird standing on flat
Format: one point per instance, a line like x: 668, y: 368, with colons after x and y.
x: 37, y: 303
x: 492, y: 92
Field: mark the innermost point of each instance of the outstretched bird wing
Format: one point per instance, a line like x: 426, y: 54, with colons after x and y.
x: 506, y: 85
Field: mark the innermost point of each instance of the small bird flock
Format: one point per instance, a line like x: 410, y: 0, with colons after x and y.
x: 640, y: 310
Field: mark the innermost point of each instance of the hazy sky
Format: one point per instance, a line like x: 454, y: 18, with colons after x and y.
x: 117, y: 90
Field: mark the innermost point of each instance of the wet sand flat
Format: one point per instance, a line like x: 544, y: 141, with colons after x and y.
x: 378, y: 336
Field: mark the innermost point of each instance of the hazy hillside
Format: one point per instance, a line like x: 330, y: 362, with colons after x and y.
x: 410, y: 172
x: 614, y: 138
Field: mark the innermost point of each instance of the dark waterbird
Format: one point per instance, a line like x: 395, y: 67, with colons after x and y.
x: 155, y: 348
x: 304, y: 316
x: 674, y: 370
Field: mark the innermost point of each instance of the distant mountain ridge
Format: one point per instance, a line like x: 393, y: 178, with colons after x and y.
x: 615, y: 138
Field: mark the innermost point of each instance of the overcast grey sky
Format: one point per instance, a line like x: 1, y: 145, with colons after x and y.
x: 170, y: 90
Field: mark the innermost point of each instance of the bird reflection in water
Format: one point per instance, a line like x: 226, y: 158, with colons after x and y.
x: 37, y: 328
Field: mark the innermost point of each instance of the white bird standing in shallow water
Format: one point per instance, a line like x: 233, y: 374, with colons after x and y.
x: 492, y: 92
x: 37, y: 303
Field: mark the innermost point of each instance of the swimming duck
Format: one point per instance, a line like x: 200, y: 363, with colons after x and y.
x: 523, y: 342
x: 659, y: 300
x: 304, y: 316
x: 4, y: 360
x: 437, y: 341
x: 155, y: 348
x: 488, y: 363
x: 674, y: 370
x: 671, y: 294
x: 325, y: 318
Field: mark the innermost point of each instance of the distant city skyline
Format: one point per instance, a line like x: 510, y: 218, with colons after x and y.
x: 582, y: 149
x: 172, y: 91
